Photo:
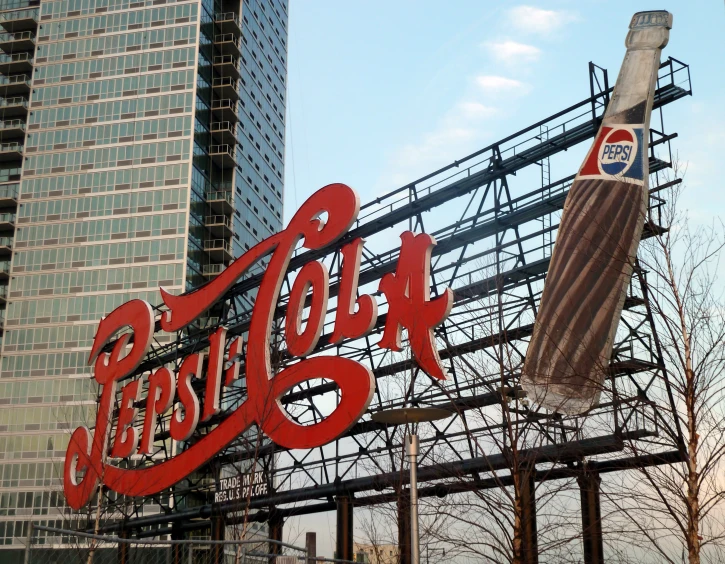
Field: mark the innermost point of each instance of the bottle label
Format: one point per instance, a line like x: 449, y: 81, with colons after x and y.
x: 617, y: 154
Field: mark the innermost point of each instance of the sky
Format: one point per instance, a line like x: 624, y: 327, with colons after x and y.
x: 383, y: 92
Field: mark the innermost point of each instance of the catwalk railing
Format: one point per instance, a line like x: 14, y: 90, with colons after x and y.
x: 48, y: 545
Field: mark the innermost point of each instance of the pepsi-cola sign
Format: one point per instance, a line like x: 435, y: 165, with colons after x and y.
x: 616, y: 155
x: 88, y: 460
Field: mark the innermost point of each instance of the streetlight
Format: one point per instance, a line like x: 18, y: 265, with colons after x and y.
x: 404, y: 416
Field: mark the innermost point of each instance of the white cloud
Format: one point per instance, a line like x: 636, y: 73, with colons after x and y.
x: 475, y: 110
x: 529, y: 19
x: 460, y: 131
x: 491, y: 84
x: 435, y: 149
x: 438, y: 146
x: 464, y: 128
x: 512, y: 52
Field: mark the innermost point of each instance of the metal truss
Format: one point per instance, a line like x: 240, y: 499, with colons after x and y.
x: 494, y: 232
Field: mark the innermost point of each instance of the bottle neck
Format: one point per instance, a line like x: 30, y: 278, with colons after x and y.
x: 633, y: 94
x: 634, y: 90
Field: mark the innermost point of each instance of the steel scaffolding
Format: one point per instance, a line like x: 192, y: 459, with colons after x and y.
x: 494, y: 245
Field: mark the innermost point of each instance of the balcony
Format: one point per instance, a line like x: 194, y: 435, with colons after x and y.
x: 3, y: 295
x: 227, y: 65
x: 219, y: 225
x: 223, y: 156
x: 13, y: 107
x: 226, y: 87
x: 18, y: 4
x: 20, y: 20
x: 4, y: 270
x: 224, y: 132
x: 16, y: 63
x: 228, y: 22
x: 7, y: 221
x: 225, y: 110
x: 11, y: 152
x: 14, y: 85
x: 223, y: 185
x: 9, y: 195
x: 19, y: 41
x: 219, y: 250
x: 6, y: 247
x: 12, y: 129
x: 210, y: 270
x: 228, y: 44
x: 221, y: 202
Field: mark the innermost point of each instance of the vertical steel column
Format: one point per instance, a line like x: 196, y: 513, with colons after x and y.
x: 530, y: 548
x: 276, y: 530
x: 311, y: 547
x: 344, y: 528
x: 29, y: 544
x: 218, y: 528
x: 177, y: 550
x: 123, y: 548
x: 404, y: 526
x: 591, y: 517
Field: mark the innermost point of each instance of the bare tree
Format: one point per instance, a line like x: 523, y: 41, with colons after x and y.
x: 679, y: 508
x: 494, y: 519
x: 489, y: 515
x: 379, y: 529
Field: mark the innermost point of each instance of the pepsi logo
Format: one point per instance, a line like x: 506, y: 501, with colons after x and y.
x: 617, y: 152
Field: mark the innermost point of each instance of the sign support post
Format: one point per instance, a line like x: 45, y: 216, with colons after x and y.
x: 344, y: 527
x: 123, y: 548
x: 26, y: 559
x: 311, y: 547
x: 591, y: 517
x: 177, y: 550
x: 276, y: 530
x: 217, y: 534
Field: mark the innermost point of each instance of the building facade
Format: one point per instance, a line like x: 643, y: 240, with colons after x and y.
x: 376, y: 553
x: 141, y: 145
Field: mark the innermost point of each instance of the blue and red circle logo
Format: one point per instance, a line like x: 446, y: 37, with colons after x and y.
x: 617, y: 152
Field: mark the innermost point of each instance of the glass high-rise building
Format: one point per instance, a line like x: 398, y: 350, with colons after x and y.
x: 141, y: 145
